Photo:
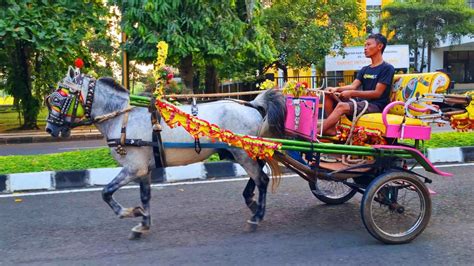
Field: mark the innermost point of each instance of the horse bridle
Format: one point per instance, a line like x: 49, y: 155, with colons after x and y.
x: 74, y: 95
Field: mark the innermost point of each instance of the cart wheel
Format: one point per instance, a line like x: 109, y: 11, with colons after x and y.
x: 396, y: 207
x: 331, y: 192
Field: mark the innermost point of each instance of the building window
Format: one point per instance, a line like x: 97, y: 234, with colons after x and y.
x: 460, y: 65
x: 373, y: 15
x: 470, y: 3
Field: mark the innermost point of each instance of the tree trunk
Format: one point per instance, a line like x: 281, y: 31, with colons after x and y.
x: 415, y: 52
x: 186, y: 70
x: 430, y: 45
x: 423, y: 46
x: 23, y: 88
x: 211, y: 81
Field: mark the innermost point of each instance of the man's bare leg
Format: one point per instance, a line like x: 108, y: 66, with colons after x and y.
x: 329, y: 125
x: 329, y: 103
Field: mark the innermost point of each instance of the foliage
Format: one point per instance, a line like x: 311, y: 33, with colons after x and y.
x: 424, y: 23
x: 75, y: 160
x: 305, y: 31
x: 39, y: 39
x: 200, y: 34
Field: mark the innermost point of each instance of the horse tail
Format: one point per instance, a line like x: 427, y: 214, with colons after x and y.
x: 272, y: 102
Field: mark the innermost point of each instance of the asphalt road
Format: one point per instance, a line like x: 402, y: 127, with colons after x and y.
x: 202, y: 224
x: 50, y: 147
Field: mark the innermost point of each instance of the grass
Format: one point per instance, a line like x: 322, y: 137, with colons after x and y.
x: 448, y: 139
x: 9, y: 118
x: 74, y: 160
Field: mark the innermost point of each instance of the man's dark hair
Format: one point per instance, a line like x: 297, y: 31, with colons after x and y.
x: 379, y: 38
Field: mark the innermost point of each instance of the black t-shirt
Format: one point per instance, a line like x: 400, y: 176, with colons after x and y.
x: 370, y: 76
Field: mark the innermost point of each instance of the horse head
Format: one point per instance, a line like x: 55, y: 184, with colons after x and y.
x: 70, y: 104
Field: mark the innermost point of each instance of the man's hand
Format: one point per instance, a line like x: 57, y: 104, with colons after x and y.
x: 346, y: 95
x: 331, y: 89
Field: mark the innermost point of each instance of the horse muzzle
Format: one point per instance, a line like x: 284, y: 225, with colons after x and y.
x: 56, y: 131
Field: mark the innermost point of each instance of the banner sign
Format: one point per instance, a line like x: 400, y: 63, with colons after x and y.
x: 354, y: 58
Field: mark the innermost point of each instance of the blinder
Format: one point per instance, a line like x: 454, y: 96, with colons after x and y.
x: 62, y: 101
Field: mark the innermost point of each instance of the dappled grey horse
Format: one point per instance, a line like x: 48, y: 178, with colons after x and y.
x: 81, y: 99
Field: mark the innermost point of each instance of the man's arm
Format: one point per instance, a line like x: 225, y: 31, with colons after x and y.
x: 368, y: 95
x: 355, y: 84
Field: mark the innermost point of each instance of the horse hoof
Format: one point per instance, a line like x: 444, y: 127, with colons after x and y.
x: 135, y: 235
x: 253, y: 207
x: 251, y: 227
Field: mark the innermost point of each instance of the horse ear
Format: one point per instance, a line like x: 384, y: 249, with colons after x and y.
x: 70, y: 74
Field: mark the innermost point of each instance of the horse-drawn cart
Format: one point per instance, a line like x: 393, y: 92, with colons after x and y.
x: 367, y: 156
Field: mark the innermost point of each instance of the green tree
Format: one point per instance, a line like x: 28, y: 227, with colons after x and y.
x: 424, y: 23
x: 305, y: 31
x: 39, y: 39
x: 210, y: 35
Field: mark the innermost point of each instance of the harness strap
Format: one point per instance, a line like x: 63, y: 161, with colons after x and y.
x: 123, y: 131
x: 131, y: 142
x: 158, y: 149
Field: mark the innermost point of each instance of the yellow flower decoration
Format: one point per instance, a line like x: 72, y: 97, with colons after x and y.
x: 267, y: 84
x: 161, y: 55
x: 297, y: 89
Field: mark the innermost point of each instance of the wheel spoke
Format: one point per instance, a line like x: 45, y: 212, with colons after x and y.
x: 397, y: 216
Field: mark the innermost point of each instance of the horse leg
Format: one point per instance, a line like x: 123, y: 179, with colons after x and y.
x: 258, y: 179
x: 145, y: 196
x: 262, y: 185
x: 123, y: 178
x: 248, y: 195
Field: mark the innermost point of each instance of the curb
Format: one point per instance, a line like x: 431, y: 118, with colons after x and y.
x: 198, y: 171
x: 51, y: 180
x: 47, y: 138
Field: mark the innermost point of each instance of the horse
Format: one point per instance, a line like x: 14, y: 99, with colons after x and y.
x: 105, y: 103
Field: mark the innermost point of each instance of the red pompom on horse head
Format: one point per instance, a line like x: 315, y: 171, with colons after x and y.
x: 79, y: 63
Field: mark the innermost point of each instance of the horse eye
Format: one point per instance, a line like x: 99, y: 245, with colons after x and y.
x: 56, y: 99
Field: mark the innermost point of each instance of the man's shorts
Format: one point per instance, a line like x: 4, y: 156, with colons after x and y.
x: 372, y: 108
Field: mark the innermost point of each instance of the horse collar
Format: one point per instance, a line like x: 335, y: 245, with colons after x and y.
x: 89, y: 99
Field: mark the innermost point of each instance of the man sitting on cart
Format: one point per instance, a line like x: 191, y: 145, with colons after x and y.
x: 375, y: 79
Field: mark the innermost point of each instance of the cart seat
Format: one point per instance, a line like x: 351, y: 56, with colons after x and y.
x: 393, y: 122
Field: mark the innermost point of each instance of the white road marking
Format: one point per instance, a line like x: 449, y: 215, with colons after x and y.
x: 26, y: 194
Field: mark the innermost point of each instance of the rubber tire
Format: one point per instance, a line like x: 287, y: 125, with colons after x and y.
x: 369, y: 194
x: 331, y: 201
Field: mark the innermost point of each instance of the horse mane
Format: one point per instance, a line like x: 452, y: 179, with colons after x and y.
x: 273, y: 102
x: 114, y: 84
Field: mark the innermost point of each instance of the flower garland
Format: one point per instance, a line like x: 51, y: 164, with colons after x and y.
x: 256, y: 148
x: 464, y: 122
x: 162, y: 73
x: 361, y: 136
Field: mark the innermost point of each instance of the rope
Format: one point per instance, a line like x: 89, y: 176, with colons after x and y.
x: 227, y: 94
x: 108, y: 116
x: 346, y: 160
x: 212, y: 95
